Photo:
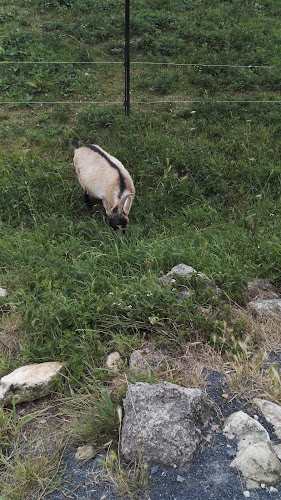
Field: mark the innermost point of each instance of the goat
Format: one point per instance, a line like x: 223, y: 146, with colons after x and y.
x: 104, y: 177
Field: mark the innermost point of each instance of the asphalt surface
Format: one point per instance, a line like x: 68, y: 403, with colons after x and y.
x: 207, y: 477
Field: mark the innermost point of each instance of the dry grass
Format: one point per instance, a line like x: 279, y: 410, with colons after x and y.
x: 31, y: 449
x: 253, y: 368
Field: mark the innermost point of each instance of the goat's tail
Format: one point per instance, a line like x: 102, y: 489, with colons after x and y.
x: 75, y: 144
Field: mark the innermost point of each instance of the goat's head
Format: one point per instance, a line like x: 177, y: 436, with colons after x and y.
x: 116, y: 217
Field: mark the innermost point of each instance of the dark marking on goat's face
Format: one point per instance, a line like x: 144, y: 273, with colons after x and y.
x: 117, y: 222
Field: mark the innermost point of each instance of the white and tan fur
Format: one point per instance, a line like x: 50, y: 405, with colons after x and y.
x: 104, y: 177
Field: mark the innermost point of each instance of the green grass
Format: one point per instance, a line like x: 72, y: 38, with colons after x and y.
x: 207, y: 174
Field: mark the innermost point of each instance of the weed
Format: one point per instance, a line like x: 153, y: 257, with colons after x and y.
x: 97, y: 416
x: 23, y: 470
x: 129, y: 479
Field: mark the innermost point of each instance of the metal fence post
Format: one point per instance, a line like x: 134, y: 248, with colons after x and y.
x: 127, y: 57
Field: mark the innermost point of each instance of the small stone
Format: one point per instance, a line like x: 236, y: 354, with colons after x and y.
x: 154, y: 469
x: 85, y: 453
x: 3, y: 292
x: 113, y: 361
x: 180, y: 479
x: 225, y: 396
x: 272, y: 489
x: 256, y: 417
x: 246, y: 494
x: 263, y: 485
x: 231, y: 453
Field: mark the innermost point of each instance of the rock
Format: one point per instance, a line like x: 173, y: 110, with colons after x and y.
x: 29, y: 382
x: 246, y: 494
x: 187, y: 272
x: 180, y: 479
x: 113, y: 361
x: 3, y: 292
x: 245, y: 429
x: 154, y: 469
x: 85, y: 453
x: 268, y: 308
x: 262, y: 289
x: 163, y: 422
x: 137, y: 361
x: 271, y: 412
x: 258, y: 463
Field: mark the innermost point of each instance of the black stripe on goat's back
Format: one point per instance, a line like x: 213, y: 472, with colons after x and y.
x: 111, y: 163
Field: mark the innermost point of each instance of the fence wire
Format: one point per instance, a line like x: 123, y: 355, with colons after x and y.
x: 148, y: 63
x: 142, y: 102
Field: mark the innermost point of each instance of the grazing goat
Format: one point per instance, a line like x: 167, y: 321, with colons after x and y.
x: 104, y: 177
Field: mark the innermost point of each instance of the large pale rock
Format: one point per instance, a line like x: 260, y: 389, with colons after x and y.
x: 270, y: 308
x: 245, y: 429
x: 271, y: 412
x: 163, y: 422
x: 29, y: 382
x: 259, y: 464
x: 3, y: 292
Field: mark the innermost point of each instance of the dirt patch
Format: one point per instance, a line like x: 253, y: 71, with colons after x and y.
x: 10, y: 335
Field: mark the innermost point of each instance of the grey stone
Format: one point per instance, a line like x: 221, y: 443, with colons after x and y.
x: 29, y: 382
x: 262, y: 289
x: 137, y: 361
x: 187, y: 272
x: 3, y: 292
x: 271, y: 412
x: 245, y: 429
x: 180, y: 479
x: 163, y: 422
x: 268, y: 308
x: 154, y: 469
x: 258, y: 463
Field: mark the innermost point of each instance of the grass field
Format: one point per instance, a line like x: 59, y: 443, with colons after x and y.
x: 207, y: 173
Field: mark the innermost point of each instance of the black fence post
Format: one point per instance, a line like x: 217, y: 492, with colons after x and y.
x: 127, y: 57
